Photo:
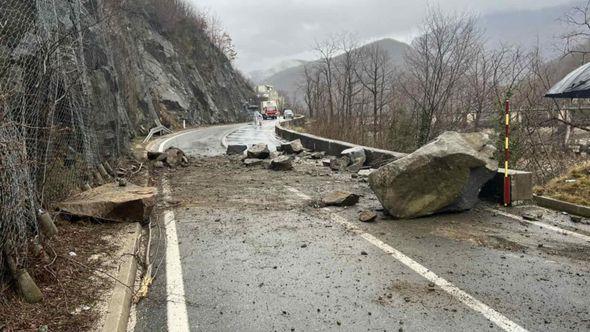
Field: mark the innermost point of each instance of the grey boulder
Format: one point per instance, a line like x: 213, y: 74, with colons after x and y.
x: 444, y: 175
x: 235, y: 149
x: 281, y: 163
x: 258, y: 151
x: 293, y: 147
x: 356, y: 155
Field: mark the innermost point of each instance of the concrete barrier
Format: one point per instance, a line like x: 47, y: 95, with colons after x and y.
x: 555, y: 204
x: 375, y: 157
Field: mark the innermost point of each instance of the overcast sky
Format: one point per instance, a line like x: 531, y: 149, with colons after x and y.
x: 268, y: 31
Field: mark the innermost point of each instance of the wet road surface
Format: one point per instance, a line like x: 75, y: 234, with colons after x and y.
x: 256, y: 255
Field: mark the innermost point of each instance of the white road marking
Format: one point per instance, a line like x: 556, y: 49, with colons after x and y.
x: 497, y: 318
x: 298, y: 193
x: 177, y: 316
x: 543, y: 225
x: 494, y: 316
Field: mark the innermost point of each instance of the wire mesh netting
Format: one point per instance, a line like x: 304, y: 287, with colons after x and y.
x: 48, y: 141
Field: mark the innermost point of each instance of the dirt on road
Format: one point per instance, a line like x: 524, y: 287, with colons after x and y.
x: 258, y: 251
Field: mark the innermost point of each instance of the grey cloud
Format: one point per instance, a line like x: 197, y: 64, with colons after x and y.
x: 268, y: 30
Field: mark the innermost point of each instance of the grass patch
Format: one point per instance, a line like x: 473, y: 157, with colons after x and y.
x: 573, y: 187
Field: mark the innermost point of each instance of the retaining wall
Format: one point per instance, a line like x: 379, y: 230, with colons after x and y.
x: 375, y: 157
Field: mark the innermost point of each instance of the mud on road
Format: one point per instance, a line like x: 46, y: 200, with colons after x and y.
x: 258, y: 253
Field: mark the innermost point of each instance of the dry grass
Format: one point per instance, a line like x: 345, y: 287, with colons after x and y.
x: 573, y: 187
x: 70, y: 284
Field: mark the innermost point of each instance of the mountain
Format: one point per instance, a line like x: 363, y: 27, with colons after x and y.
x: 259, y: 76
x: 289, y: 80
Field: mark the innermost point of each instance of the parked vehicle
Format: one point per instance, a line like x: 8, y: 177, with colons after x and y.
x: 288, y: 114
x: 269, y: 109
x: 270, y: 112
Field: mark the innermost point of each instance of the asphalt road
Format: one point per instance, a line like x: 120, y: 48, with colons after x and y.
x: 247, y: 251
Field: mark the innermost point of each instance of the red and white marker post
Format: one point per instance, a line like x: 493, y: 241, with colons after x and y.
x: 507, y: 199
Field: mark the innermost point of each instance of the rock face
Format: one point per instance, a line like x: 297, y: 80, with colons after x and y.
x: 293, y: 147
x: 258, y: 151
x: 442, y: 176
x: 129, y: 71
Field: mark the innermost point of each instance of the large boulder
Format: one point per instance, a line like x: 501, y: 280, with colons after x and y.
x: 293, y: 147
x: 443, y: 176
x: 258, y: 151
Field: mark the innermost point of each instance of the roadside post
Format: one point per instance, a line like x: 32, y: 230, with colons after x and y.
x: 507, y: 198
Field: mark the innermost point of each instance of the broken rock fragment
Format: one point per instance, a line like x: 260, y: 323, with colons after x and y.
x: 252, y: 161
x: 340, y: 198
x: 356, y: 155
x: 444, y: 175
x: 235, y: 149
x: 112, y: 202
x: 258, y: 151
x: 281, y: 163
x: 293, y: 147
x: 367, y: 216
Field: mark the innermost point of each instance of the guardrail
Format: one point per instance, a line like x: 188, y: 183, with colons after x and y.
x: 375, y: 157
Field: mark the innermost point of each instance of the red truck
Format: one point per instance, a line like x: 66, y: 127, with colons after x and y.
x: 270, y: 112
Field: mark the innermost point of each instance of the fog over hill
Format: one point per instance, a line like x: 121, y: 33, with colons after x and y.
x: 289, y: 80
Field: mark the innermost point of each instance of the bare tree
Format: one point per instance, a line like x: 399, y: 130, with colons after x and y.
x: 439, y: 59
x: 375, y: 75
x: 328, y: 50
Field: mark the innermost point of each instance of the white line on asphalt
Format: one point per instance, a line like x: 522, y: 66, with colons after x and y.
x: 494, y: 316
x: 298, y: 193
x: 497, y: 318
x: 177, y: 316
x: 543, y: 225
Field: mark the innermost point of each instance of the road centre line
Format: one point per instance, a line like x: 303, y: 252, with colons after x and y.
x: 542, y: 225
x: 494, y: 316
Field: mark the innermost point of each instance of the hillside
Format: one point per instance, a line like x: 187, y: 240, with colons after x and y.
x: 289, y: 80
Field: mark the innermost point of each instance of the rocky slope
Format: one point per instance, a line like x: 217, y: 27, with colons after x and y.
x: 112, y: 70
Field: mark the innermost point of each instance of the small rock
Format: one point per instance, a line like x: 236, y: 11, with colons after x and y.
x: 367, y: 216
x: 317, y: 155
x: 354, y: 168
x: 293, y: 147
x: 252, y: 161
x: 531, y: 217
x: 364, y: 253
x: 339, y: 164
x: 355, y: 155
x: 72, y: 254
x: 326, y: 162
x: 365, y: 172
x: 354, y: 175
x: 575, y: 219
x: 281, y: 163
x: 122, y: 182
x: 340, y: 198
x: 236, y: 149
x: 304, y: 245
